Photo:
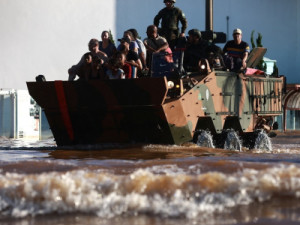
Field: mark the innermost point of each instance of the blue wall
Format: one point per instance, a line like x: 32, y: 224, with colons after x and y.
x: 278, y: 21
x: 47, y: 37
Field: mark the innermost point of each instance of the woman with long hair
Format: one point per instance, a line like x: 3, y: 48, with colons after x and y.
x: 106, y: 46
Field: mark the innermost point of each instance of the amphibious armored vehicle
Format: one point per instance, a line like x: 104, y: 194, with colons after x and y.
x: 160, y: 109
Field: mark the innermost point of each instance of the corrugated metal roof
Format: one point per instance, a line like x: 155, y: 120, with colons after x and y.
x: 292, y: 98
x: 294, y: 102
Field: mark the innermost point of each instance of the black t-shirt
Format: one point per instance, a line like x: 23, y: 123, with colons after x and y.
x: 132, y: 55
x: 195, y: 52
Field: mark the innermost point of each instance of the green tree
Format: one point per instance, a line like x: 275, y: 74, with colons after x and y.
x: 111, y: 38
x: 252, y: 40
x: 261, y: 65
x: 275, y: 70
x: 258, y: 40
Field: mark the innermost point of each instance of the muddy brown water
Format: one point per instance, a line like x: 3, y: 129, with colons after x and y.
x: 150, y: 184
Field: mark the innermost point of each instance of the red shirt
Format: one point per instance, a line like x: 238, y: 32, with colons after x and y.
x: 127, y: 70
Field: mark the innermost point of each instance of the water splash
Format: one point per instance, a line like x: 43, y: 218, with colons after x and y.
x: 263, y: 142
x: 232, y: 141
x: 205, y: 139
x: 143, y: 191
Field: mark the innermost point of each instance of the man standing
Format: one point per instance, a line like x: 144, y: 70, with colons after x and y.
x: 170, y: 17
x: 236, y: 52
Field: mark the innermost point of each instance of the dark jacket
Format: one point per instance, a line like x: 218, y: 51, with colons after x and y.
x: 170, y: 19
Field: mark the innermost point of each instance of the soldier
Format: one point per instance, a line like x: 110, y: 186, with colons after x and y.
x: 195, y: 50
x: 170, y: 17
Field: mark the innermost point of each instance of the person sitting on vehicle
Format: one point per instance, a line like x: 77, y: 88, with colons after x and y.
x: 196, y: 49
x: 106, y: 46
x: 90, y: 65
x: 236, y: 52
x: 154, y: 44
x: 133, y: 44
x: 142, y: 49
x: 114, y: 70
x: 132, y: 57
x: 126, y: 67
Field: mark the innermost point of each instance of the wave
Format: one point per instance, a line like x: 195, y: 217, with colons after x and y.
x: 166, y: 191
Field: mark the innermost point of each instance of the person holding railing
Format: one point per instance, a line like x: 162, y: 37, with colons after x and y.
x: 236, y: 52
x: 154, y: 43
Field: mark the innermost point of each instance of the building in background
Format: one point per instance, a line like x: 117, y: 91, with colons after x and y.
x: 290, y: 119
x: 47, y: 37
x: 21, y: 117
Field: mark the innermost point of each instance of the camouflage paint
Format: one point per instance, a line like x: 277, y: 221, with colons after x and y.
x: 145, y: 110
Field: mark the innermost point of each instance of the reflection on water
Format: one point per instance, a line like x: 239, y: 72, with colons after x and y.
x: 152, y: 184
x: 6, y: 144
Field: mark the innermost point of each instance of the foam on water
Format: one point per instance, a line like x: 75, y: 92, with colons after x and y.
x: 192, y: 185
x: 9, y: 143
x: 232, y: 141
x: 166, y: 191
x: 263, y: 142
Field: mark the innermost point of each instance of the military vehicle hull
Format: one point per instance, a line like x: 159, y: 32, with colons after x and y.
x: 163, y: 110
x: 158, y: 110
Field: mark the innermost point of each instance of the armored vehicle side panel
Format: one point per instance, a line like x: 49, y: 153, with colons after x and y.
x: 149, y: 110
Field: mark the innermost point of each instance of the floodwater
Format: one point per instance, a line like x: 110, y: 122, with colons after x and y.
x: 151, y: 184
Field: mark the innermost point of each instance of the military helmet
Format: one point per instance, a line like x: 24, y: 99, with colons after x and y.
x: 195, y: 32
x: 169, y: 1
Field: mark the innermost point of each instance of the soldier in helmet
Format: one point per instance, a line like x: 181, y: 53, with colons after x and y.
x: 170, y: 17
x: 196, y: 49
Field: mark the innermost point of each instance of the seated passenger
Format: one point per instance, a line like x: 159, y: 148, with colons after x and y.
x: 196, y: 49
x: 133, y: 44
x: 106, y: 46
x: 142, y: 49
x: 154, y: 44
x: 114, y: 70
x: 236, y: 52
x: 132, y: 57
x: 90, y: 65
x: 126, y: 67
x: 214, y: 56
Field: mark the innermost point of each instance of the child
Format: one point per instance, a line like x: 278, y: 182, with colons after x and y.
x: 124, y: 65
x: 114, y: 71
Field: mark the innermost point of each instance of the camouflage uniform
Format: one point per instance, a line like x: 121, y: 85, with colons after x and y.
x: 169, y: 24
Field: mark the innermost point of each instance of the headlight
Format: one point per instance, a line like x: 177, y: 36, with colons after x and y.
x: 204, y: 67
x: 170, y: 84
